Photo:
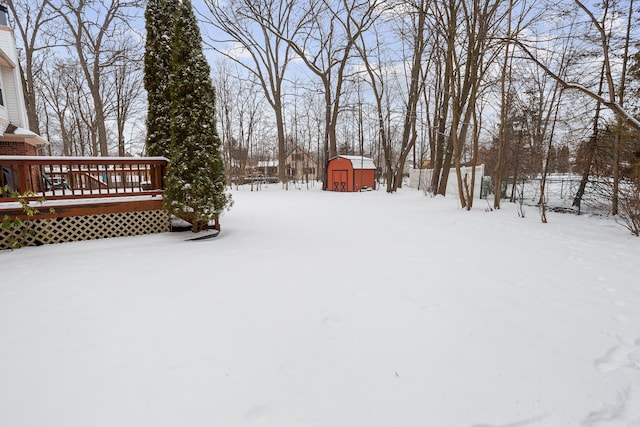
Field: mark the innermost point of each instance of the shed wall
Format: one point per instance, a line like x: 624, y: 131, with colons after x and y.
x: 340, y: 175
x: 363, y: 178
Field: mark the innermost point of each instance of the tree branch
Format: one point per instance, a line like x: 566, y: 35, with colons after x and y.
x: 616, y: 108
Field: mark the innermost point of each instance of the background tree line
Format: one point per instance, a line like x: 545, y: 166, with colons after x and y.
x: 528, y: 88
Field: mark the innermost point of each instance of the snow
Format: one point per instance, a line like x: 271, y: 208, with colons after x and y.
x: 359, y: 162
x: 322, y: 309
x: 42, y: 205
x: 28, y: 133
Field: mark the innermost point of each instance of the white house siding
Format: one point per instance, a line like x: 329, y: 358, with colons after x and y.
x: 15, y: 110
x: 12, y: 101
x: 4, y: 112
x: 300, y: 163
x: 8, y: 44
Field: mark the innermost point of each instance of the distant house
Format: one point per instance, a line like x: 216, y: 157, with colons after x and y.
x: 350, y: 173
x: 300, y: 166
x: 264, y: 170
x: 15, y: 136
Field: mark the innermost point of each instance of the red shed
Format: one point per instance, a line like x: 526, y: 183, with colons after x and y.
x: 350, y: 173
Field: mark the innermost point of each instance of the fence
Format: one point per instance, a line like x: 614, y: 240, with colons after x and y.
x: 421, y: 179
x: 560, y: 191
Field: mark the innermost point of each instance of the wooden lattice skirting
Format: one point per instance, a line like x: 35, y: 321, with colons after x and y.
x: 87, y: 227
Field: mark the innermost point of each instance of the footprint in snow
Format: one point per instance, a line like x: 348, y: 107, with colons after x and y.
x: 623, y: 410
x: 625, y: 355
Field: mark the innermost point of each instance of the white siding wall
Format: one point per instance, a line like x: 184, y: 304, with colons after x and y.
x: 14, y: 107
x: 4, y: 112
x: 7, y: 43
x: 10, y: 92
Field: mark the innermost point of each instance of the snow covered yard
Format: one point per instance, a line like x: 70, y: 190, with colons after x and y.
x: 321, y: 309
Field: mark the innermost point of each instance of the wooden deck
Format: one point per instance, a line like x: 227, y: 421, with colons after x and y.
x: 83, y: 186
x: 80, y: 198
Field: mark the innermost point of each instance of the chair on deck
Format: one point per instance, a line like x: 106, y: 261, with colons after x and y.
x: 55, y: 183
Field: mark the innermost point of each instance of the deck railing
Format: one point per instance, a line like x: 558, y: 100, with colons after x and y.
x: 56, y: 178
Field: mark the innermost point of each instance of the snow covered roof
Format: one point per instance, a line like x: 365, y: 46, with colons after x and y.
x: 358, y: 162
x: 26, y: 135
x: 267, y: 164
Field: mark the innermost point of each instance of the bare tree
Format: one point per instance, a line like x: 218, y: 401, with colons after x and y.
x: 597, y: 81
x: 69, y: 113
x: 125, y: 82
x: 92, y: 32
x: 541, y: 118
x: 240, y: 114
x: 416, y: 83
x: 248, y: 108
x: 258, y: 27
x: 513, y: 26
x: 412, y: 20
x: 226, y: 97
x: 609, y: 96
x: 326, y: 32
x: 32, y: 17
x: 378, y: 78
x: 55, y: 90
x: 466, y: 34
x: 482, y: 22
x: 249, y: 125
x: 620, y: 124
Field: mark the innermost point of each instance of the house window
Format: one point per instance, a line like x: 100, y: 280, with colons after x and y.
x: 1, y: 97
x: 4, y: 15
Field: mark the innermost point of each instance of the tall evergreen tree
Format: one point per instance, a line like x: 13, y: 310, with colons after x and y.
x: 159, y: 16
x: 195, y: 181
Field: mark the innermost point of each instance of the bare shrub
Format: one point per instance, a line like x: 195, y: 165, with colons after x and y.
x: 629, y: 206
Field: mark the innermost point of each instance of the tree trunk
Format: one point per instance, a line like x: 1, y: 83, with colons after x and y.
x: 505, y: 86
x: 591, y: 149
x: 282, y: 153
x: 619, y: 126
x: 409, y: 135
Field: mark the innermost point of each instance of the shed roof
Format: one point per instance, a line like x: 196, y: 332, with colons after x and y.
x: 358, y: 162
